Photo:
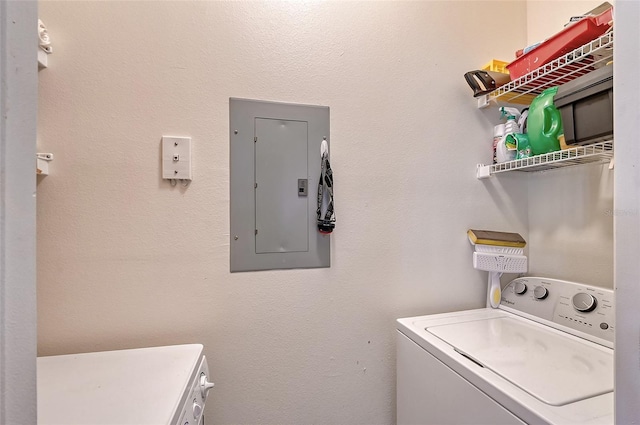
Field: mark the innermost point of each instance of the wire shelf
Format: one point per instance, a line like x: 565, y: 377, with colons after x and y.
x: 598, y: 152
x: 574, y: 64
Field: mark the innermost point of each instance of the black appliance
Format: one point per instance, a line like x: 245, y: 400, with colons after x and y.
x: 586, y: 106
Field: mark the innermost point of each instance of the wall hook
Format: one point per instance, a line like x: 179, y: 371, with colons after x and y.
x: 42, y: 163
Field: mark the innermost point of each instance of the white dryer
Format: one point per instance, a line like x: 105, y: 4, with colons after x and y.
x: 146, y: 386
x: 545, y: 356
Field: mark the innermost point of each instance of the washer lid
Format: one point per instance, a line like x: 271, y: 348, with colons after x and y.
x: 554, y: 367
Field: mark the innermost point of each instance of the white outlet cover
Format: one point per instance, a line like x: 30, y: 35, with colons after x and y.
x: 180, y: 146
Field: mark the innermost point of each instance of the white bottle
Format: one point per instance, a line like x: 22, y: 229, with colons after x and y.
x: 511, y: 126
x: 498, y: 132
x: 512, y: 114
x: 504, y: 154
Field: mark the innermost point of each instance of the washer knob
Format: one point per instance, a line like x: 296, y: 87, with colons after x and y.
x: 584, y: 302
x: 519, y: 288
x: 205, y: 385
x: 197, y: 410
x: 540, y: 293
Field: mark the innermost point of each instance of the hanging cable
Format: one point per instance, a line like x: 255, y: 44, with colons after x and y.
x: 327, y: 221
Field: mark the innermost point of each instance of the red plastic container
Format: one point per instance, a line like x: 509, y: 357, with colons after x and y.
x: 568, y: 39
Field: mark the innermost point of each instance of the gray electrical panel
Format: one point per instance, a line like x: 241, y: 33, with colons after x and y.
x: 274, y: 170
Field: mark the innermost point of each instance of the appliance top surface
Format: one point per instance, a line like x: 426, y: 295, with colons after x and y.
x: 543, y: 359
x: 137, y: 386
x: 497, y: 385
x: 553, y: 367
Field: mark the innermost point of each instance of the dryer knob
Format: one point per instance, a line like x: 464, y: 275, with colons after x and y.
x: 205, y: 385
x: 540, y: 293
x: 519, y: 288
x: 197, y: 410
x: 584, y: 302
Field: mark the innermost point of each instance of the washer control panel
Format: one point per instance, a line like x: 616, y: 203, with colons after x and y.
x: 582, y: 310
x: 198, y: 390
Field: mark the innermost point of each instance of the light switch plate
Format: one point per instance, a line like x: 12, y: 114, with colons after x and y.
x: 176, y: 158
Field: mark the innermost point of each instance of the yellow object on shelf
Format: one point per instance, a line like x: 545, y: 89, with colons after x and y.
x: 496, y: 66
x: 520, y: 99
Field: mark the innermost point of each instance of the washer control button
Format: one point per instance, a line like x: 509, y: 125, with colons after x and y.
x: 197, y: 410
x: 519, y: 288
x: 604, y: 326
x: 584, y: 302
x: 540, y: 293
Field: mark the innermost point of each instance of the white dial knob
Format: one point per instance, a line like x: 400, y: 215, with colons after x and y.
x: 540, y: 293
x: 519, y: 288
x: 584, y: 302
x: 197, y: 410
x: 205, y: 385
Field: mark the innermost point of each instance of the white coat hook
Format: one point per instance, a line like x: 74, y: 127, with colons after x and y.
x: 324, y: 148
x: 42, y: 163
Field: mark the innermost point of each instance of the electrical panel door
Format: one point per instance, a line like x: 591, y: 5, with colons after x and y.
x: 275, y: 167
x: 282, y: 217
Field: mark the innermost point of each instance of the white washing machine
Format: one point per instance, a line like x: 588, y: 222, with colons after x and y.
x: 545, y: 356
x: 146, y: 386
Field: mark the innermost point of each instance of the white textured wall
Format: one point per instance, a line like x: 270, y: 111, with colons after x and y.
x: 125, y: 260
x: 571, y: 224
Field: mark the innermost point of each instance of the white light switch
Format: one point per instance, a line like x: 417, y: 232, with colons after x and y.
x: 176, y: 158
